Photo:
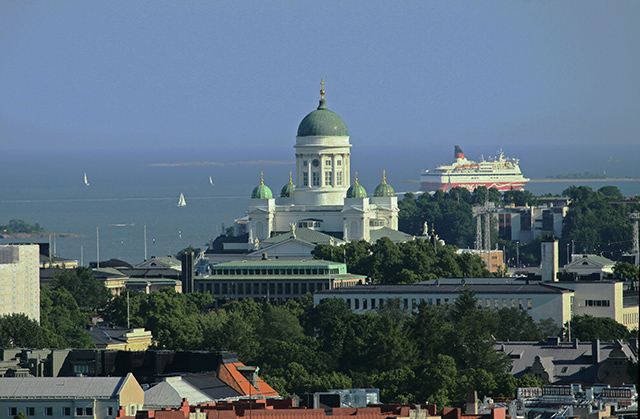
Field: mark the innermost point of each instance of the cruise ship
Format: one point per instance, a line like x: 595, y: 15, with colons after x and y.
x: 500, y: 172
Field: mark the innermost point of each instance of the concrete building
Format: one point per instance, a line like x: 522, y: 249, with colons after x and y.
x: 108, y: 336
x: 525, y: 224
x: 274, y: 280
x: 591, y: 266
x: 540, y: 300
x: 66, y: 397
x: 20, y: 280
x: 557, y: 300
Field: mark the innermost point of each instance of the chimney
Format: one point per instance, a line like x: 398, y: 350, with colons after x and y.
x: 265, y: 256
x: 549, y: 269
x: 472, y: 402
x: 576, y: 343
x: 595, y: 351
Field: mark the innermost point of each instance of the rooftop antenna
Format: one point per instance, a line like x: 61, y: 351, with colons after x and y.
x: 145, y: 246
x: 97, y: 247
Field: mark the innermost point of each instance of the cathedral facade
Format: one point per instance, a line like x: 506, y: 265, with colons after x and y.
x: 323, y: 198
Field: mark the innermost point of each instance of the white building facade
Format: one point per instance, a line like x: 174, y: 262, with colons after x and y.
x: 323, y: 197
x: 20, y: 280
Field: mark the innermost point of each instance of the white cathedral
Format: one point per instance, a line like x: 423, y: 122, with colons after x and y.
x: 323, y: 198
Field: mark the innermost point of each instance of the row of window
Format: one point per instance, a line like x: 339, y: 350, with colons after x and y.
x: 265, y: 271
x: 505, y: 303
x: 366, y: 303
x: 328, y: 180
x: 597, y: 303
x: 316, y: 163
x: 65, y: 411
x: 262, y: 288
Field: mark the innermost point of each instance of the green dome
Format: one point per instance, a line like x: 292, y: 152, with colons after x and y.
x: 322, y: 122
x: 384, y: 189
x: 289, y: 189
x: 261, y: 191
x: 356, y: 190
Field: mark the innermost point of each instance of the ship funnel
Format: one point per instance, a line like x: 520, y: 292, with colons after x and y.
x: 458, y: 154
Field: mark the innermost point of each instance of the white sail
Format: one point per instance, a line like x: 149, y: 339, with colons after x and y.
x: 86, y: 182
x: 210, y: 181
x: 181, y: 201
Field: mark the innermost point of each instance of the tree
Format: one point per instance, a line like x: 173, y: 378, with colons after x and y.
x: 61, y: 319
x: 89, y: 293
x: 519, y: 198
x: 586, y: 327
x: 625, y: 270
x: 19, y: 331
x: 516, y: 325
x: 549, y: 328
x: 190, y: 248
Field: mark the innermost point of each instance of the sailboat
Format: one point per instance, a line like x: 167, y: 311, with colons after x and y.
x: 210, y: 181
x: 86, y: 182
x: 181, y: 201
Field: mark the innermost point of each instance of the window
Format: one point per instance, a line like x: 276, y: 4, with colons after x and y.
x: 356, y: 301
x: 349, y: 302
x: 338, y: 162
x: 339, y: 178
x: 373, y: 303
x: 327, y: 163
x: 305, y: 163
x: 88, y: 411
x: 305, y: 179
x: 504, y: 303
x: 414, y: 304
x: 13, y: 411
x: 487, y: 302
x: 437, y: 301
x: 529, y: 304
x: 364, y: 303
x: 79, y: 411
x: 521, y: 304
x: 495, y: 303
x: 31, y: 411
x: 48, y: 411
x: 66, y: 411
x: 110, y: 411
x: 327, y: 178
x: 316, y: 179
x: 513, y: 303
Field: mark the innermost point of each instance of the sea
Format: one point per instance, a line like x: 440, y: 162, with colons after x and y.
x: 132, y: 194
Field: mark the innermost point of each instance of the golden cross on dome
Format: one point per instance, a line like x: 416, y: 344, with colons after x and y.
x: 261, y: 178
x: 321, y: 89
x: 290, y: 181
x: 356, y: 178
x: 384, y: 176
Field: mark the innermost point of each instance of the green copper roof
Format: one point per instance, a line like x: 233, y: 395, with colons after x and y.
x: 322, y: 122
x: 288, y: 190
x: 261, y: 192
x: 356, y: 191
x: 384, y: 189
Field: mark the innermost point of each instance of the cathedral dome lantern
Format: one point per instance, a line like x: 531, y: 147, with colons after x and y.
x: 322, y: 122
x: 289, y: 189
x: 384, y: 189
x: 261, y: 191
x: 356, y: 190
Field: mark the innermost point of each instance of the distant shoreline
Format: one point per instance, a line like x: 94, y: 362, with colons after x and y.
x: 624, y: 179
x: 37, y: 235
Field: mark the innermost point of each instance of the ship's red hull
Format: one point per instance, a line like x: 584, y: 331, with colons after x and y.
x: 501, y: 186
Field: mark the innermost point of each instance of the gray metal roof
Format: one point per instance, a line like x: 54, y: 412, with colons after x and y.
x: 563, y: 361
x: 61, y: 387
x: 436, y: 288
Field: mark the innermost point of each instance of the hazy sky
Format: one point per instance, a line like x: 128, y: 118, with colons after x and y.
x: 121, y: 74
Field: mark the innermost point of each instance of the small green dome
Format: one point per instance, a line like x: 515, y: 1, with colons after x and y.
x: 384, y: 189
x: 356, y: 190
x: 289, y: 189
x: 261, y: 191
x: 322, y: 122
